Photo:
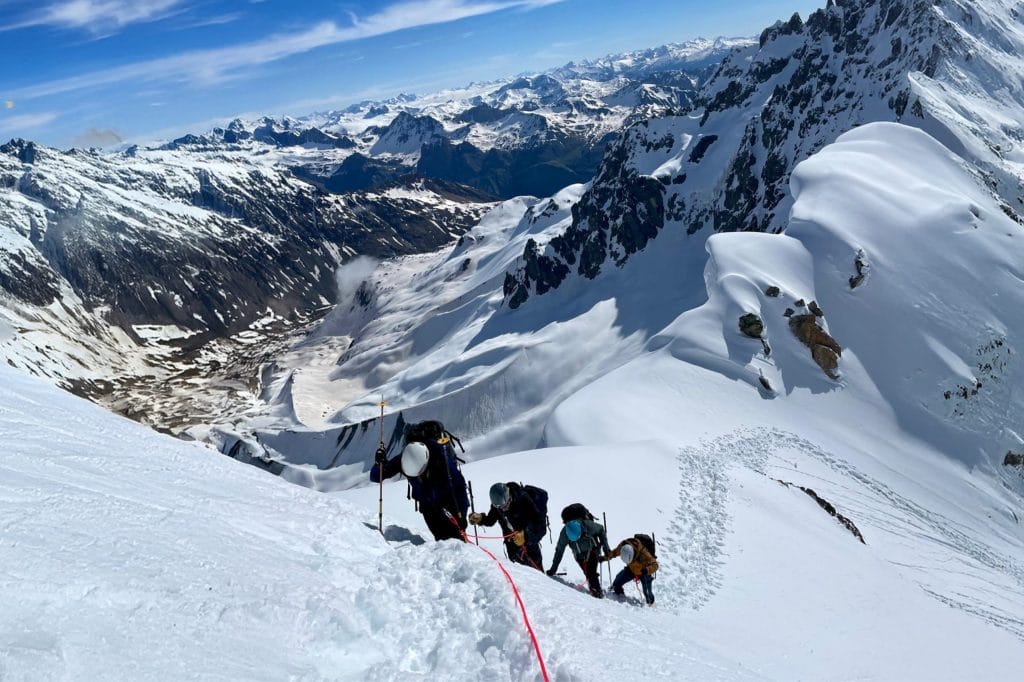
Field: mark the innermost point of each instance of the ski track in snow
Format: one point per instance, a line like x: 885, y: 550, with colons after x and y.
x: 691, y: 554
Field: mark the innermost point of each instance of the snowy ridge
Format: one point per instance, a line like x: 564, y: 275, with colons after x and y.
x: 568, y: 99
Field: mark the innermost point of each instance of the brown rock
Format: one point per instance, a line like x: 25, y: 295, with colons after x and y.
x: 772, y: 292
x: 827, y: 359
x: 813, y: 307
x: 824, y: 349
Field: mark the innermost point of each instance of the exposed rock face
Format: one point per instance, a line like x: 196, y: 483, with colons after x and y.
x: 1014, y: 459
x: 612, y: 221
x: 407, y: 133
x: 824, y: 349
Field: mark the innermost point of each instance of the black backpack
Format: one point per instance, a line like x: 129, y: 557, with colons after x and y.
x: 648, y: 542
x: 539, y: 497
x: 433, y: 431
x: 576, y: 512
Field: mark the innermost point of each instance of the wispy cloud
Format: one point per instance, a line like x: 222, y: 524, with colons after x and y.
x: 219, y: 20
x: 211, y: 66
x: 22, y: 122
x: 97, y: 16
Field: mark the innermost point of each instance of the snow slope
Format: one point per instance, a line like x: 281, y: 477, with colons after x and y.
x: 130, y: 555
x: 907, y: 441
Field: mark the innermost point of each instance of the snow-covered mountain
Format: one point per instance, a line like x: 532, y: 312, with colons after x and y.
x: 879, y: 372
x: 952, y: 69
x: 158, y: 281
x: 817, y: 418
x: 532, y: 134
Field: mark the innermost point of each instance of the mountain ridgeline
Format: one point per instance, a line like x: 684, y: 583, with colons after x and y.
x: 532, y: 135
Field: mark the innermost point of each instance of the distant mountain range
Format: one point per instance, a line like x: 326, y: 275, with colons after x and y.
x: 532, y: 134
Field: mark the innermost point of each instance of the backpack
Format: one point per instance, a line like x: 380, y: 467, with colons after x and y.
x: 539, y: 497
x: 648, y: 542
x: 576, y: 512
x: 434, y: 431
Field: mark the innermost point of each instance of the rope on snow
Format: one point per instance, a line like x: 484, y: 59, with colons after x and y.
x: 519, y: 599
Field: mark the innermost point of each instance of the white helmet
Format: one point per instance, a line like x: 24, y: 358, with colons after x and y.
x: 627, y: 553
x: 414, y: 459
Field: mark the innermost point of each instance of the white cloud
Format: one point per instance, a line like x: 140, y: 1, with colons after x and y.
x: 218, y: 20
x: 15, y: 124
x: 98, y: 16
x: 210, y: 66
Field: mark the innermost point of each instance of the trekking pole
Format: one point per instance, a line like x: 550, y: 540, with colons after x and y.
x: 380, y: 496
x: 472, y: 508
x: 608, y: 564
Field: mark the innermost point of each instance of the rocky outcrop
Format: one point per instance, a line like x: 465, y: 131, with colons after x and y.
x: 824, y: 349
x: 620, y: 214
x: 860, y: 263
x: 751, y: 325
x: 829, y: 509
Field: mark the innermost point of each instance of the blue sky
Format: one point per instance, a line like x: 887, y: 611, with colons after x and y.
x: 92, y: 72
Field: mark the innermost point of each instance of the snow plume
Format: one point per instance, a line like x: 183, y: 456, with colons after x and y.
x: 354, y: 286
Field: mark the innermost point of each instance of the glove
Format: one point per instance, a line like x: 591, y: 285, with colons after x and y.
x: 519, y: 537
x: 608, y: 557
x: 476, y: 518
x: 381, y: 456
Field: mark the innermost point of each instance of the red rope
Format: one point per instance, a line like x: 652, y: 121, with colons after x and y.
x: 526, y: 618
x: 519, y: 599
